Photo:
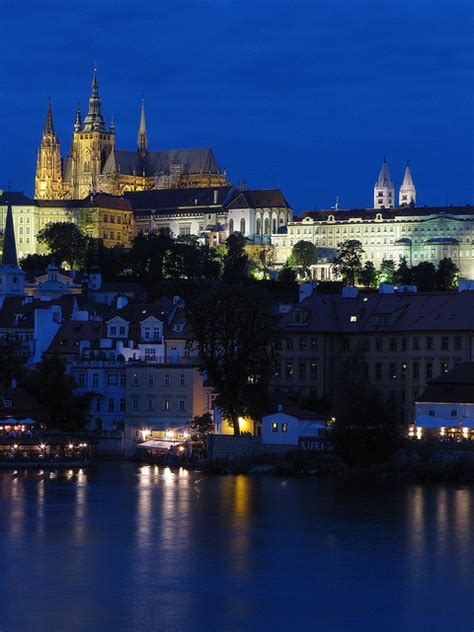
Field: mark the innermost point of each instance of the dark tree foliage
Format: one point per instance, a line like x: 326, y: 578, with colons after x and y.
x: 237, y: 264
x: 234, y: 330
x: 148, y: 254
x: 66, y: 242
x: 446, y: 274
x: 35, y: 263
x: 403, y: 274
x: 424, y: 276
x: 365, y: 430
x: 349, y: 262
x: 54, y: 389
x: 287, y: 274
x: 368, y: 275
x: 12, y: 362
x: 303, y: 256
x: 202, y: 424
x: 387, y: 271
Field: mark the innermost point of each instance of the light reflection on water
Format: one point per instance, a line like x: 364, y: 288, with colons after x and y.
x: 145, y: 547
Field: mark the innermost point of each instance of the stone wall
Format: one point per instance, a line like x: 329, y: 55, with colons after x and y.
x: 230, y: 447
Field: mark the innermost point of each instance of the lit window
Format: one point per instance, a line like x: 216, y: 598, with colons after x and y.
x: 284, y: 427
x: 166, y: 404
x: 275, y: 426
x: 353, y: 319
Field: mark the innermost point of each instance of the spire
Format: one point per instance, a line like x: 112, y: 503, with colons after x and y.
x: 407, y: 195
x: 384, y: 191
x: 9, y: 257
x: 384, y: 179
x: 49, y: 128
x: 94, y: 120
x: 78, y: 123
x: 142, y: 141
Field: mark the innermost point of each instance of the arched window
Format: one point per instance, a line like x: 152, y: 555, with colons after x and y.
x: 259, y: 226
x: 274, y: 228
x: 242, y: 226
x: 231, y: 226
x: 267, y: 226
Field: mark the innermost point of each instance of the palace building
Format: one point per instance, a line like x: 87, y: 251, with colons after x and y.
x: 95, y: 164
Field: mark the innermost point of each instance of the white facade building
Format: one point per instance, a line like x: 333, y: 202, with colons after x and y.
x: 284, y: 428
x: 384, y: 191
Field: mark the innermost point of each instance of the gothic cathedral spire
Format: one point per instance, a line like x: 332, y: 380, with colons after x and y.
x: 94, y: 121
x: 12, y: 278
x: 142, y: 141
x: 48, y: 181
x: 78, y: 122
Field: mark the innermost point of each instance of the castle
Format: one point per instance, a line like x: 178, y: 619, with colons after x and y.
x: 95, y: 164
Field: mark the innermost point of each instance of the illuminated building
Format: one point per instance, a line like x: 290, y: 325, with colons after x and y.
x: 95, y: 164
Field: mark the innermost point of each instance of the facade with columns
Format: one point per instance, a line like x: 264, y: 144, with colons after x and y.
x: 95, y: 164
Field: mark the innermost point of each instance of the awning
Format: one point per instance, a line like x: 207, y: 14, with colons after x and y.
x: 155, y: 444
x: 27, y: 422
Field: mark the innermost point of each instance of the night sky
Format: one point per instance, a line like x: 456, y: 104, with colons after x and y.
x: 305, y: 96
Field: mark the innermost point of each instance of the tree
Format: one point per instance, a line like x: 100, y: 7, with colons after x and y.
x: 349, y: 262
x: 446, y: 274
x: 262, y: 258
x: 148, y: 254
x: 65, y: 241
x: 303, y: 256
x: 236, y: 262
x: 365, y: 430
x: 387, y: 271
x: 202, y: 424
x: 403, y: 274
x: 424, y: 276
x: 287, y: 274
x: 368, y: 275
x: 54, y: 389
x: 35, y: 263
x: 234, y: 329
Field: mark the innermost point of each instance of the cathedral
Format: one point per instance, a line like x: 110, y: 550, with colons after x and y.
x: 95, y: 164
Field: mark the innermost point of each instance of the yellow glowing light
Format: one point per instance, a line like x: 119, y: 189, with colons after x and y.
x: 465, y: 433
x: 42, y: 446
x: 15, y: 446
x: 442, y: 432
x: 419, y: 432
x: 71, y: 446
x: 181, y: 448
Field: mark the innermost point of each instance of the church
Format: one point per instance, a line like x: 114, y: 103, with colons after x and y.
x: 94, y: 163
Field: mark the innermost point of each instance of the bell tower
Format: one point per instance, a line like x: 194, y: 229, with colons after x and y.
x: 384, y: 190
x: 407, y: 195
x: 91, y: 146
x: 48, y: 181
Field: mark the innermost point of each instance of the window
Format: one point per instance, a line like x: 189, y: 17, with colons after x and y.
x: 429, y: 370
x: 444, y: 367
x: 454, y: 413
x: 393, y: 370
x: 289, y: 369
x: 457, y: 343
x: 431, y: 413
x: 314, y: 344
x: 112, y: 379
x: 289, y: 345
x: 277, y: 370
x: 156, y: 333
x: 111, y: 405
x: 122, y: 330
x: 416, y: 370
x: 275, y: 426
x: 444, y: 343
x: 182, y: 404
x: 378, y: 370
x: 231, y: 226
x: 122, y: 379
x: 182, y: 379
x: 97, y: 405
x: 242, y: 226
x: 151, y: 379
x: 378, y: 344
x: 82, y: 379
x: 146, y: 332
x: 123, y: 405
x: 302, y: 370
x: 166, y: 379
x: 113, y: 330
x: 303, y: 344
x: 416, y: 343
x: 404, y: 344
x: 284, y: 427
x: 135, y: 404
x: 429, y: 343
x: 95, y: 379
x: 151, y: 404
x: 314, y: 369
x: 166, y: 404
x: 393, y: 344
x: 135, y: 379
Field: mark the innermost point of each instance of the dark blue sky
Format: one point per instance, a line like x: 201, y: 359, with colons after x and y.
x: 304, y: 95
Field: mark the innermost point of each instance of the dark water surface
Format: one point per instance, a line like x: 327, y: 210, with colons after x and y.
x: 133, y: 547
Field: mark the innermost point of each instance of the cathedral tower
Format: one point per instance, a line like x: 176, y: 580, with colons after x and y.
x: 407, y: 195
x: 48, y: 181
x: 384, y: 191
x: 91, y: 146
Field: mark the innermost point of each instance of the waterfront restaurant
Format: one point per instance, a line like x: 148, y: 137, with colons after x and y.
x: 445, y: 410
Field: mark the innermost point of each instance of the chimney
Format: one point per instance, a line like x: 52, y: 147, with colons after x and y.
x: 216, y: 193
x: 280, y: 408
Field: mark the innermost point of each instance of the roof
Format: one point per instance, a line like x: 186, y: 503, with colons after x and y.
x: 372, y: 312
x: 16, y: 198
x: 99, y: 200
x: 456, y: 386
x: 72, y: 332
x: 156, y: 163
x: 259, y: 198
x: 170, y: 199
x: 23, y: 404
x: 17, y: 312
x: 137, y: 312
x: 387, y: 214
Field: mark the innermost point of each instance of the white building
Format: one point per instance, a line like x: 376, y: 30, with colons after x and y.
x: 407, y: 194
x: 286, y: 428
x: 384, y: 191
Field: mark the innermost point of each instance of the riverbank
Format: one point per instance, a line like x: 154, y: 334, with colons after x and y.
x: 296, y: 463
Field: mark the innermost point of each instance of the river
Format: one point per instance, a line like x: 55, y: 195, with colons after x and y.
x: 129, y: 547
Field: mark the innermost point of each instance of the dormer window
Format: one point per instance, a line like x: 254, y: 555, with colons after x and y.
x: 178, y: 328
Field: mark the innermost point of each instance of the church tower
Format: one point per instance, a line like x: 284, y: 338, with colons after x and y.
x: 142, y: 141
x: 12, y: 277
x: 407, y: 195
x: 384, y: 191
x: 91, y: 146
x: 48, y: 181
